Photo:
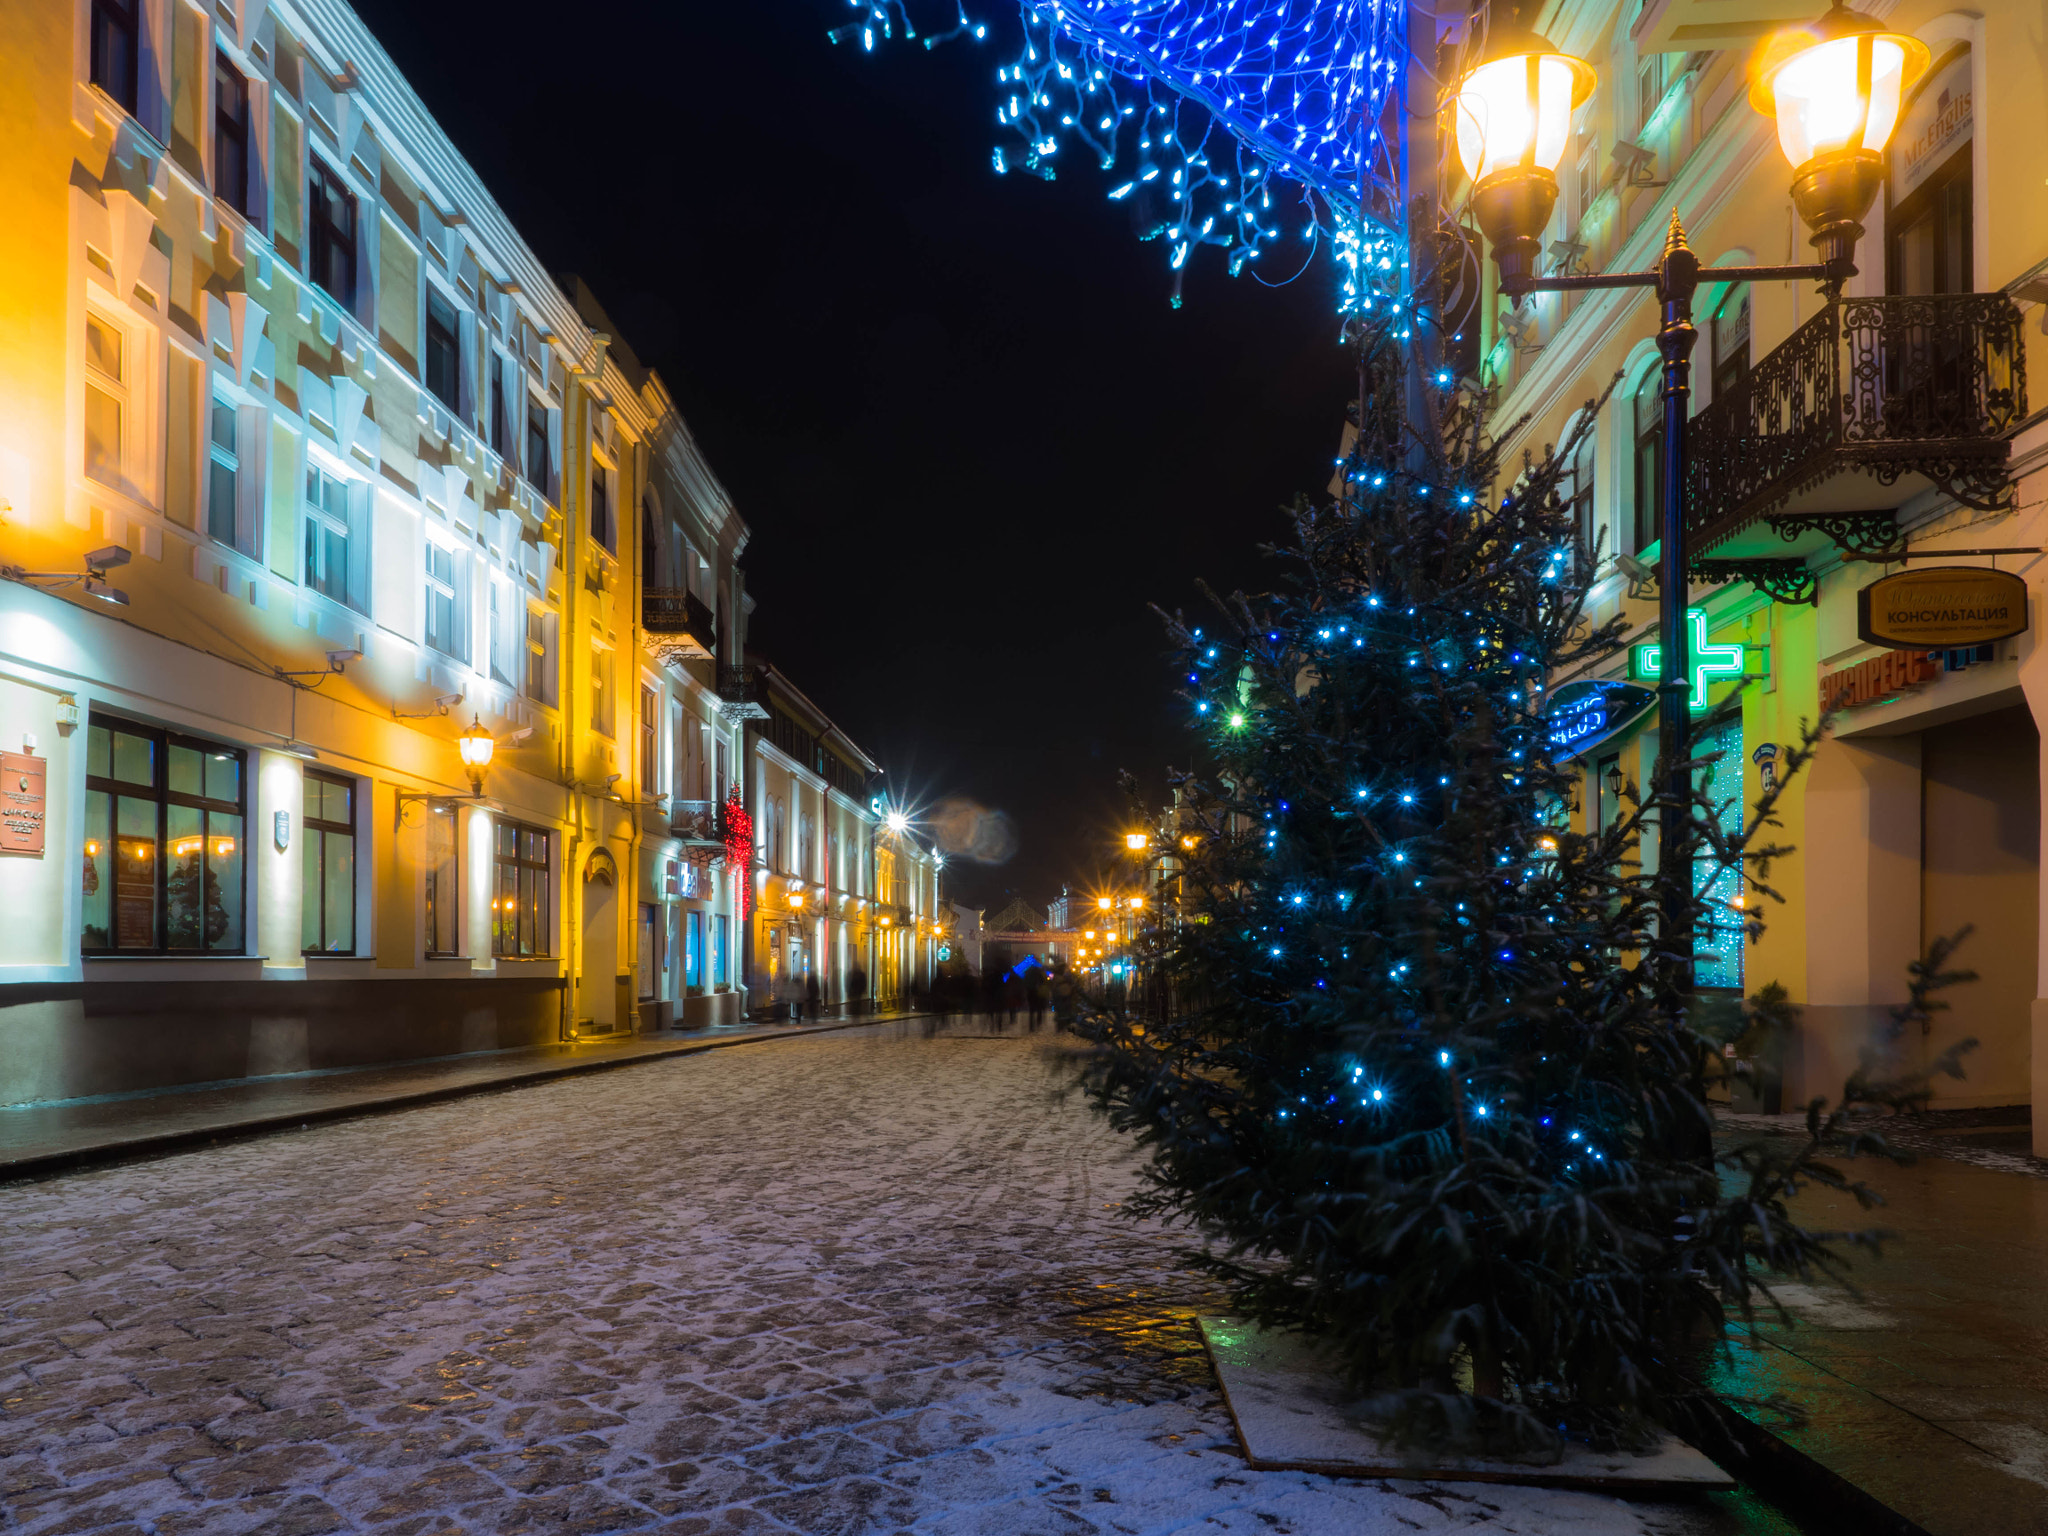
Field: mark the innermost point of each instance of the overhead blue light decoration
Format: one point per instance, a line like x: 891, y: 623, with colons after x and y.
x: 1240, y: 123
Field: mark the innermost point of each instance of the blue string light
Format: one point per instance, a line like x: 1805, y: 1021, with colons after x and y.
x: 1238, y: 121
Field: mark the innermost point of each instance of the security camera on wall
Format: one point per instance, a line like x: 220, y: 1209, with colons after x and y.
x: 106, y: 557
x: 1641, y: 576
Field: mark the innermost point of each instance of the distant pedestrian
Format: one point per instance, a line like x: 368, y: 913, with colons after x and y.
x: 856, y: 990
x: 1035, y: 993
x: 1013, y: 995
x: 812, y: 997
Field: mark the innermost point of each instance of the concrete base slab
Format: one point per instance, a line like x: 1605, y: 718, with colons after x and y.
x: 1292, y: 1414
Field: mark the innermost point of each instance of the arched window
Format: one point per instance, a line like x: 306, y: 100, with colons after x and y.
x: 1649, y: 417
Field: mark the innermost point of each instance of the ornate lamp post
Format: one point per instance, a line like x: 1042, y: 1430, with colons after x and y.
x: 1835, y: 88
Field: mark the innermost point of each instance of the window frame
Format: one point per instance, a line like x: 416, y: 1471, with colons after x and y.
x: 537, y: 442
x: 326, y: 190
x: 600, y: 519
x: 534, y: 915
x: 603, y: 683
x: 126, y: 17
x: 446, y: 590
x: 164, y: 797
x: 1649, y: 461
x: 226, y: 459
x: 1727, y: 373
x: 322, y: 827
x: 232, y: 190
x: 312, y: 514
x: 119, y: 389
x: 444, y: 340
x: 430, y: 890
x: 652, y: 780
x: 538, y: 673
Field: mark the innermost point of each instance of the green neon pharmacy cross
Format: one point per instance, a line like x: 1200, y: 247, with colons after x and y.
x: 1710, y: 663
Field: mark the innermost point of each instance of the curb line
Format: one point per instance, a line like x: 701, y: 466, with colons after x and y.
x: 1804, y: 1488
x: 41, y: 1165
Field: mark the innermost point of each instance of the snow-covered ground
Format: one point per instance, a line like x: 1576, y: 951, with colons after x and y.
x: 860, y: 1282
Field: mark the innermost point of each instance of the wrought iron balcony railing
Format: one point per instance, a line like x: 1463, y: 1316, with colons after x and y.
x: 680, y: 625
x: 697, y: 822
x: 1905, y: 390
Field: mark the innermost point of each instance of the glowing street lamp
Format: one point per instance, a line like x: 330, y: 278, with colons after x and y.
x: 1514, y: 118
x: 1835, y: 88
x: 476, y: 746
x: 1137, y: 842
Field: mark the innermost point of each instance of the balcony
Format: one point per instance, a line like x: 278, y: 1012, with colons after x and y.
x: 1862, y: 408
x: 696, y: 823
x: 679, y: 625
x: 742, y: 692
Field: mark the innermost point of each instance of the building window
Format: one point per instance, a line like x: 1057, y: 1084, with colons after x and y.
x: 1649, y: 410
x: 539, y: 468
x: 1649, y: 93
x: 1577, y: 489
x: 106, y: 399
x: 721, y: 770
x: 1731, y: 341
x: 501, y: 408
x: 327, y: 854
x: 163, y: 842
x: 331, y: 234
x: 693, y: 952
x: 601, y: 691
x: 115, y: 50
x: 519, y: 910
x: 444, y: 350
x: 1929, y: 233
x: 600, y: 508
x: 444, y: 633
x: 223, y: 471
x: 650, y: 738
x: 504, y: 641
x: 444, y: 882
x: 1589, y: 182
x: 718, y: 950
x: 538, y: 661
x: 327, y: 534
x: 230, y: 135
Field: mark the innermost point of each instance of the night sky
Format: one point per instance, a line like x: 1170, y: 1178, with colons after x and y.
x: 971, y: 436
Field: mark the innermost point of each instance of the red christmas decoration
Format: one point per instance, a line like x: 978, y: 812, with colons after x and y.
x: 739, y: 845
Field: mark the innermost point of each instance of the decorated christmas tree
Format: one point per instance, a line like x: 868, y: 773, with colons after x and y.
x: 1409, y: 1051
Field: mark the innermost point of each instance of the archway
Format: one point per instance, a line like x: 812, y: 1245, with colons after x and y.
x: 597, y: 986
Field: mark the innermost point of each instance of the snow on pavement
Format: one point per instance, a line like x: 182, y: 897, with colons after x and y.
x: 865, y: 1281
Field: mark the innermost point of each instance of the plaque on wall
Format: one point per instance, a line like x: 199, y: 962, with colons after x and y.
x: 1942, y: 608
x: 21, y: 803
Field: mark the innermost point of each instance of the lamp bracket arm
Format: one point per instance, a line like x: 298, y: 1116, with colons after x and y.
x: 1579, y: 282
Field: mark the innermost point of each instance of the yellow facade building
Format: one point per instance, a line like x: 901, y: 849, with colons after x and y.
x: 846, y: 887
x: 307, y: 465
x: 1826, y: 440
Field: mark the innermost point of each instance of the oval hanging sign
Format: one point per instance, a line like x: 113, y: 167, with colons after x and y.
x: 1942, y: 607
x: 1581, y: 713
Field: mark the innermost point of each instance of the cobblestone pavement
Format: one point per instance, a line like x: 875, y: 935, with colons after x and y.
x: 866, y: 1281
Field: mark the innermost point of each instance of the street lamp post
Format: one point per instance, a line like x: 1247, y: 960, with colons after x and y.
x: 1835, y: 88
